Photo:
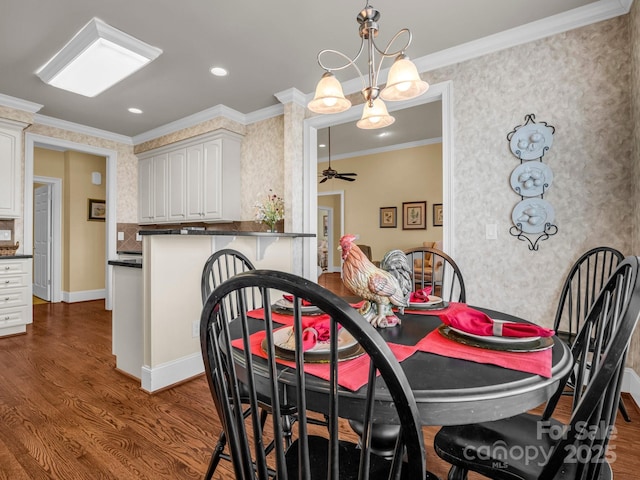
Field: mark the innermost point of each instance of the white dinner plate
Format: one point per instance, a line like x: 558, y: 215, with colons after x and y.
x: 285, y: 304
x: 434, y: 301
x: 494, y: 339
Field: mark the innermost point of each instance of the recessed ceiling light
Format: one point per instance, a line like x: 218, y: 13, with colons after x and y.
x: 135, y: 110
x: 219, y: 71
x: 95, y: 59
x: 322, y: 145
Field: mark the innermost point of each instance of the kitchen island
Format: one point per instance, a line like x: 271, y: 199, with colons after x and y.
x: 172, y: 263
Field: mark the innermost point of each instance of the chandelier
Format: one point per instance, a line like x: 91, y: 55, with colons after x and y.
x: 403, y: 81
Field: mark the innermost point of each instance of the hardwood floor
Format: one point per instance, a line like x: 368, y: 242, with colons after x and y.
x: 66, y: 413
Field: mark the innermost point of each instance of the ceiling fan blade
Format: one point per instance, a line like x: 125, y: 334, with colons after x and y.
x: 345, y: 178
x: 324, y: 179
x: 354, y: 174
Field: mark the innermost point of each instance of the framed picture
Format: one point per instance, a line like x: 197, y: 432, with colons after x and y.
x: 388, y: 217
x: 437, y: 214
x: 97, y: 210
x: 414, y: 215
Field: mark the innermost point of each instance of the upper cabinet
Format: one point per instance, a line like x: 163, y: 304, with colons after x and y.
x: 11, y: 168
x: 195, y: 180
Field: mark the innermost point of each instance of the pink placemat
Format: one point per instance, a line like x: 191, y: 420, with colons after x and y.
x: 352, y: 374
x: 538, y: 363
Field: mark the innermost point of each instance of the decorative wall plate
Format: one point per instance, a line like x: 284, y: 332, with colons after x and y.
x: 531, y: 141
x: 531, y: 179
x: 532, y: 215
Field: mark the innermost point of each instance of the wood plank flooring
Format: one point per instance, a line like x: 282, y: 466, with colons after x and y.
x: 66, y: 413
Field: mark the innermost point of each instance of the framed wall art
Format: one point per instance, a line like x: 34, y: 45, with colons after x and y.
x: 437, y: 214
x: 97, y: 210
x: 388, y: 217
x: 414, y: 215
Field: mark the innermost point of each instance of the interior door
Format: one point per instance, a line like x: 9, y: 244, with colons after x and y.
x: 42, y: 243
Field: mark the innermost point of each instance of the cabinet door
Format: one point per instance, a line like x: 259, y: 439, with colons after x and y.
x: 145, y: 189
x: 195, y: 183
x: 160, y: 188
x: 11, y: 178
x: 176, y: 180
x: 212, y: 175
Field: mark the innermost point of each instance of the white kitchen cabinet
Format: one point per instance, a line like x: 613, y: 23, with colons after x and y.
x: 195, y: 180
x: 11, y: 168
x: 15, y: 295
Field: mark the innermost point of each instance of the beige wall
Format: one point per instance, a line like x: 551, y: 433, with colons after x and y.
x: 387, y: 180
x: 83, y: 253
x: 333, y: 202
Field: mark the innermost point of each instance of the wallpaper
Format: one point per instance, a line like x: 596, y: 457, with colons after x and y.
x: 579, y: 83
x: 634, y: 23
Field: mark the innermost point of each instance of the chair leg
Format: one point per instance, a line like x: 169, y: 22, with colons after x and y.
x: 457, y: 473
x: 215, y: 456
x: 623, y: 411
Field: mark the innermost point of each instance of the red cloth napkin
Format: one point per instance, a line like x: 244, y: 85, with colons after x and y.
x: 316, y: 329
x: 538, y: 363
x: 352, y: 374
x: 470, y: 320
x: 289, y: 298
x: 420, y: 296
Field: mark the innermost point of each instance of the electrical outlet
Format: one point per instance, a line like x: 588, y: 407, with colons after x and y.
x: 5, y: 235
x: 491, y: 231
x: 120, y: 236
x: 195, y: 329
x: 138, y: 237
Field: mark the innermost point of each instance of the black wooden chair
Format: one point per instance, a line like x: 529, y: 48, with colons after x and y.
x: 323, y: 454
x: 430, y: 267
x: 581, y: 287
x: 433, y: 267
x: 539, y: 447
x: 219, y: 267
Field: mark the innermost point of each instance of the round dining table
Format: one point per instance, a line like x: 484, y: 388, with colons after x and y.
x: 448, y: 391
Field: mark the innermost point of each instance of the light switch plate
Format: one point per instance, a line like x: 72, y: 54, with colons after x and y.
x: 5, y: 235
x: 120, y: 236
x: 491, y: 231
x: 138, y: 237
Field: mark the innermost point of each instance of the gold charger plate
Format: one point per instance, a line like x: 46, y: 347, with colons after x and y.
x: 517, y: 345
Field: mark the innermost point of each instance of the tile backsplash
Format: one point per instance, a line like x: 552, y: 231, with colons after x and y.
x: 8, y: 224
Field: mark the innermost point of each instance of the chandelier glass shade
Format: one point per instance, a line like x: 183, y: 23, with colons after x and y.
x: 403, y: 81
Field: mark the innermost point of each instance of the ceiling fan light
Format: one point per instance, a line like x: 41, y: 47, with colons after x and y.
x: 403, y: 82
x: 375, y: 116
x: 329, y: 97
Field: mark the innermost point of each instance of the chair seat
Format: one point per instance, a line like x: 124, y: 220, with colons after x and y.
x: 513, y: 448
x: 349, y: 454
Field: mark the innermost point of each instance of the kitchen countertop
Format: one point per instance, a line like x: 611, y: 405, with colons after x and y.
x: 127, y: 262
x: 7, y: 257
x: 233, y: 233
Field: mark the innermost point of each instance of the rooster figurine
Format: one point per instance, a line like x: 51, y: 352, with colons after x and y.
x: 380, y: 287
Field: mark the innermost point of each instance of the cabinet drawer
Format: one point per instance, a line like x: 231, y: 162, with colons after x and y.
x: 8, y: 267
x: 13, y: 281
x: 13, y: 298
x: 14, y: 316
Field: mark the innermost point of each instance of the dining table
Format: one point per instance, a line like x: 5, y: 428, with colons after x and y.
x: 448, y: 390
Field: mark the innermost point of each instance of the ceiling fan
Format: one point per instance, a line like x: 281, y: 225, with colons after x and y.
x: 330, y: 173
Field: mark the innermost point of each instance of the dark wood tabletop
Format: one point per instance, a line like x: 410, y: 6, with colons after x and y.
x: 449, y: 391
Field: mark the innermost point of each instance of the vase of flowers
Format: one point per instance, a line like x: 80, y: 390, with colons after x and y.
x: 270, y: 210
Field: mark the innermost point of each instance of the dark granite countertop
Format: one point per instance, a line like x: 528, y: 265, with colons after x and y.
x: 7, y: 257
x: 127, y: 262
x: 129, y: 252
x: 236, y: 233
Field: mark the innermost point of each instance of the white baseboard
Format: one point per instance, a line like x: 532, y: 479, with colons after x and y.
x: 170, y: 373
x: 83, y: 296
x: 631, y: 384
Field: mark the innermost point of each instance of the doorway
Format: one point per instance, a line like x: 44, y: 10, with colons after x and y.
x: 330, y: 227
x: 47, y: 238
x: 35, y: 140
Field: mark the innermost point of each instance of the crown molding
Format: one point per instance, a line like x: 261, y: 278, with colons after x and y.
x: 19, y: 104
x: 292, y: 95
x: 83, y: 129
x: 388, y: 148
x: 264, y: 114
